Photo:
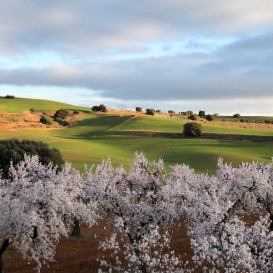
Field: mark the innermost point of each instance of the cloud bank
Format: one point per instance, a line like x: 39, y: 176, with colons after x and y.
x: 127, y: 51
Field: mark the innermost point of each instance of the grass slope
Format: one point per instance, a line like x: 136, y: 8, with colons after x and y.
x: 18, y: 105
x: 96, y: 137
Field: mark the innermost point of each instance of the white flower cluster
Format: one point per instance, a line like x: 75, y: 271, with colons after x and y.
x: 228, y: 215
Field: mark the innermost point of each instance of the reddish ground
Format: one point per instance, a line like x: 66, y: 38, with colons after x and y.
x: 80, y: 255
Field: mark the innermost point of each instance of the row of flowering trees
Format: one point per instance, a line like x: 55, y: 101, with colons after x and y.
x: 228, y: 215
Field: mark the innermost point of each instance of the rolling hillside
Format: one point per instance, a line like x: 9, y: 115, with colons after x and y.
x: 119, y: 136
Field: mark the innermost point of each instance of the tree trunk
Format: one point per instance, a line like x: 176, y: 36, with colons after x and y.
x: 76, y: 232
x: 2, y: 250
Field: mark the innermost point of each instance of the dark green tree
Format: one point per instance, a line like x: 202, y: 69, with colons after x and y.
x: 14, y: 150
x: 139, y: 109
x: 150, y: 111
x: 209, y: 117
x: 61, y: 114
x: 237, y: 115
x: 202, y: 114
x: 192, y: 117
x: 192, y: 129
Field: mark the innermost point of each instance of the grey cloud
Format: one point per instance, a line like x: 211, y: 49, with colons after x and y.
x: 94, y: 26
x: 165, y: 78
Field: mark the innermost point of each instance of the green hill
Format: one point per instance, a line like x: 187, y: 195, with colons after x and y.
x: 118, y: 137
x: 18, y: 105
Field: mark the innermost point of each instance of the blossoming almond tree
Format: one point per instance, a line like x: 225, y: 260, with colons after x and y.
x: 37, y: 206
x: 230, y: 215
x: 141, y: 215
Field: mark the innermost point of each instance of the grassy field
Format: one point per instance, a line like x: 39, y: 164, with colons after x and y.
x: 18, y: 105
x: 96, y: 137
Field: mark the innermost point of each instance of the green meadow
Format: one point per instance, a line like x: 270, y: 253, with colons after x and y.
x: 97, y: 137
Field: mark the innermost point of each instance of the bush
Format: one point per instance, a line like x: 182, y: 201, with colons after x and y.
x: 216, y: 115
x: 171, y: 112
x: 189, y: 113
x: 139, y: 109
x: 158, y: 111
x: 15, y: 150
x: 95, y: 108
x: 46, y: 120
x: 100, y: 108
x: 202, y: 114
x: 192, y: 129
x: 32, y: 110
x: 61, y: 114
x: 150, y: 111
x: 192, y: 117
x: 237, y: 115
x: 10, y: 96
x: 209, y: 117
x: 76, y: 112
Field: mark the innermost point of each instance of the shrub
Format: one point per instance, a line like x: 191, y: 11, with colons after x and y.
x: 46, y: 120
x: 237, y: 115
x: 95, y: 108
x: 150, y: 111
x: 202, y: 114
x: 139, y: 109
x: 32, y: 110
x: 100, y: 108
x: 76, y: 112
x: 171, y: 112
x: 61, y: 114
x: 192, y: 117
x: 192, y: 129
x: 189, y: 113
x: 158, y: 111
x: 216, y: 115
x: 14, y: 149
x: 10, y: 96
x: 209, y: 117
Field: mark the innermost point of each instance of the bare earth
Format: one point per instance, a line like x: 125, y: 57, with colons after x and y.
x: 80, y: 255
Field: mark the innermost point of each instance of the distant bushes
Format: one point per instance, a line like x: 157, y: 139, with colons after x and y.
x: 100, y: 108
x: 138, y: 109
x: 8, y: 97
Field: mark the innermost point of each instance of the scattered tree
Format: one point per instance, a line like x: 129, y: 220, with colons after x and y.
x: 61, y: 114
x: 192, y: 129
x: 100, y: 108
x: 138, y: 109
x: 193, y: 117
x: 150, y: 111
x: 237, y: 115
x: 46, y: 120
x: 202, y: 114
x: 209, y: 117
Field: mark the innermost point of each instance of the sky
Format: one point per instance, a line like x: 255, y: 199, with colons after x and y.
x: 177, y: 55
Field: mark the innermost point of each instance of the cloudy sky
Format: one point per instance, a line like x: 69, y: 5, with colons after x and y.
x: 182, y: 55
